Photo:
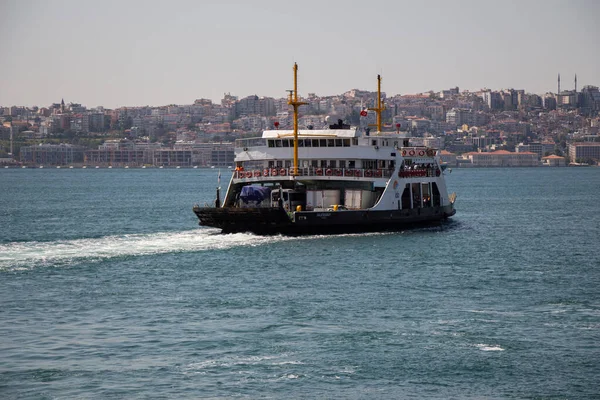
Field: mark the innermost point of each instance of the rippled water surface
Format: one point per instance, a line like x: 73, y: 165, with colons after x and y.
x: 109, y: 289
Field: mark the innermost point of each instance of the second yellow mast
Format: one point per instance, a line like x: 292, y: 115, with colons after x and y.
x: 293, y: 101
x: 380, y: 106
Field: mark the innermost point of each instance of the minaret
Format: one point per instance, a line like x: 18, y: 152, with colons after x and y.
x: 575, y: 83
x: 559, y: 83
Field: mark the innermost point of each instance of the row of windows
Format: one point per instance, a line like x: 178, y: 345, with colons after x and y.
x: 351, y: 164
x: 313, y: 142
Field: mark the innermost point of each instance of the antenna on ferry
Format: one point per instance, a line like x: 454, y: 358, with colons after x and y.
x: 293, y: 101
x: 380, y: 106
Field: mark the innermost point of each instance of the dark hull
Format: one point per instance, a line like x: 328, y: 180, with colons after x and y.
x: 268, y: 221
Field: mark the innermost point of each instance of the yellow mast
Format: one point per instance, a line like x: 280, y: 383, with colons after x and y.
x: 293, y: 101
x: 380, y: 106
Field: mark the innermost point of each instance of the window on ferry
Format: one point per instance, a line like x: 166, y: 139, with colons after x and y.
x: 271, y: 144
x: 315, y: 143
x: 332, y: 163
x: 381, y: 164
x: 285, y: 143
x: 346, y: 142
x: 406, y: 197
x: 314, y: 163
x: 288, y: 163
x: 323, y: 164
x: 435, y: 195
x: 330, y: 142
x: 426, y: 195
x: 322, y: 142
x: 279, y: 164
x: 416, y: 193
x: 307, y: 143
x: 374, y: 142
x: 278, y: 143
x: 300, y: 143
x: 271, y: 164
x: 338, y: 142
x: 342, y: 163
x: 354, y: 141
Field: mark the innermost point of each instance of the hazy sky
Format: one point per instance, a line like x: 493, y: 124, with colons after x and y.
x: 132, y: 53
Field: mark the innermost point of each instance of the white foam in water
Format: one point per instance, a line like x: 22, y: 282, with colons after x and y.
x: 487, y: 347
x: 23, y: 255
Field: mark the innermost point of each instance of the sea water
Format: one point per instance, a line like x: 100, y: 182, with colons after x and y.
x: 109, y: 289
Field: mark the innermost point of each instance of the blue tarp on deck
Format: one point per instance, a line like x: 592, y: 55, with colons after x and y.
x: 254, y: 194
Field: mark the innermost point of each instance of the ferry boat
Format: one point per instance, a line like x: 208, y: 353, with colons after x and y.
x: 336, y: 180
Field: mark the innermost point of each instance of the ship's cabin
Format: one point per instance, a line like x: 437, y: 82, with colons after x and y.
x: 341, y: 167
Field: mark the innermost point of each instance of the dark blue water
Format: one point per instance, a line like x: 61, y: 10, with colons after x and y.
x: 109, y: 289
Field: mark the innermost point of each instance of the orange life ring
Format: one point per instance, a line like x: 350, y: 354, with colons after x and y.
x: 357, y: 173
x: 378, y: 173
x: 282, y: 172
x: 338, y: 172
x: 430, y: 152
x: 274, y: 172
x: 421, y: 153
x: 368, y: 173
x: 248, y: 174
x: 256, y: 174
x: 403, y: 152
x: 348, y: 172
x: 328, y: 172
x: 265, y: 172
x: 411, y: 153
x: 319, y: 171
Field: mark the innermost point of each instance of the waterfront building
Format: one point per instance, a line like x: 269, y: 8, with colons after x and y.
x: 502, y: 158
x: 448, y: 158
x: 584, y: 151
x: 540, y: 148
x: 52, y: 154
x: 209, y: 154
x: 116, y: 157
x: 173, y: 157
x: 554, y: 161
x: 119, y: 153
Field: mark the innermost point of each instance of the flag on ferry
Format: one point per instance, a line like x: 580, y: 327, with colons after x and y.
x: 363, y: 113
x: 219, y: 178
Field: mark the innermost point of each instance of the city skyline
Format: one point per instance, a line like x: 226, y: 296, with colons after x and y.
x: 148, y: 53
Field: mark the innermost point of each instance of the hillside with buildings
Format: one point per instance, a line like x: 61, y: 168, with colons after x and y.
x: 488, y: 128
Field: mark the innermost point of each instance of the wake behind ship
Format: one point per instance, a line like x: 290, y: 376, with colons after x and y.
x: 336, y: 180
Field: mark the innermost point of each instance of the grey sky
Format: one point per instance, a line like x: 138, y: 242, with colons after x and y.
x: 131, y: 53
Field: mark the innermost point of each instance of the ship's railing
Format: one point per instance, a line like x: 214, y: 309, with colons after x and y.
x: 314, y: 172
x: 410, y: 172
